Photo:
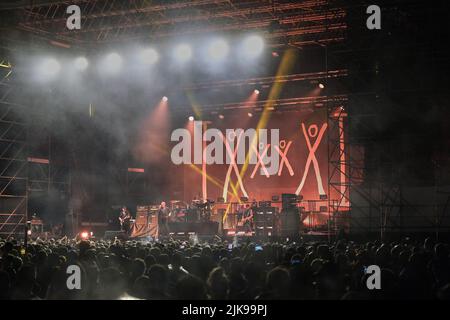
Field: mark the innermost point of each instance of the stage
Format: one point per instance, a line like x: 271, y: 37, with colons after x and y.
x: 177, y: 229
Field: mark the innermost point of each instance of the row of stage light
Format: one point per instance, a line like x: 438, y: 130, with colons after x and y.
x: 215, y: 52
x: 256, y: 92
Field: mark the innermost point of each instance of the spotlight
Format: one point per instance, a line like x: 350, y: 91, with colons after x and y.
x: 113, y: 62
x: 218, y: 49
x: 256, y: 91
x: 84, y: 235
x: 321, y: 86
x: 50, y: 67
x: 191, y: 118
x: 81, y: 63
x: 253, y: 46
x: 183, y: 52
x: 221, y: 116
x: 165, y: 99
x: 149, y: 56
x: 250, y: 114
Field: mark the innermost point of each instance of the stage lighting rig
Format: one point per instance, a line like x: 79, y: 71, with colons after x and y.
x: 50, y: 67
x: 183, y: 52
x: 253, y: 46
x: 112, y: 63
x: 149, y: 56
x: 81, y: 63
x: 218, y: 50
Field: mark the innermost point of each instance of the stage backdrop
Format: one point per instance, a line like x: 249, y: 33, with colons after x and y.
x: 301, y: 152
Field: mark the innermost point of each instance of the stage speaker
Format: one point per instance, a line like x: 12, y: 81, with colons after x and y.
x: 290, y: 223
x: 289, y: 201
x: 70, y: 225
x: 264, y: 232
x: 270, y: 216
x: 264, y: 204
x: 264, y: 221
x: 259, y: 216
x: 111, y: 235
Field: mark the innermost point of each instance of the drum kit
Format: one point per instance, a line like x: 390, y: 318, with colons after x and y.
x: 197, y: 211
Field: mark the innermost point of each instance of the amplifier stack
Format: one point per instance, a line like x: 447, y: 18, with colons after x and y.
x: 264, y: 218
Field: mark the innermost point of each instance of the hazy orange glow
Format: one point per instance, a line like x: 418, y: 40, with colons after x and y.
x: 202, y: 171
x: 285, y: 66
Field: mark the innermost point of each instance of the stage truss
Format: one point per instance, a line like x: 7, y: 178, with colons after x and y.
x: 13, y: 158
x: 296, y: 23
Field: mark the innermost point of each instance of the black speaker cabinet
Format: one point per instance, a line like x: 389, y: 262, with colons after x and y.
x: 289, y: 201
x: 112, y: 234
x: 290, y: 223
x: 265, y: 216
x: 264, y: 231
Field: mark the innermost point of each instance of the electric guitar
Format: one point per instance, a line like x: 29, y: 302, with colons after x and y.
x: 244, y: 220
x: 124, y: 217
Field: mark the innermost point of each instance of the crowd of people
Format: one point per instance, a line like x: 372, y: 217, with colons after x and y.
x: 221, y: 270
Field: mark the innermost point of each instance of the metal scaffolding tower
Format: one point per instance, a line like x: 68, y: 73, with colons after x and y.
x: 13, y: 160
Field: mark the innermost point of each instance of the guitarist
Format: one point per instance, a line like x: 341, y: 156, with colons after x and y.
x: 247, y: 219
x: 124, y: 219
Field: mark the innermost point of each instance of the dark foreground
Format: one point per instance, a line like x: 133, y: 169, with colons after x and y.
x: 220, y: 271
